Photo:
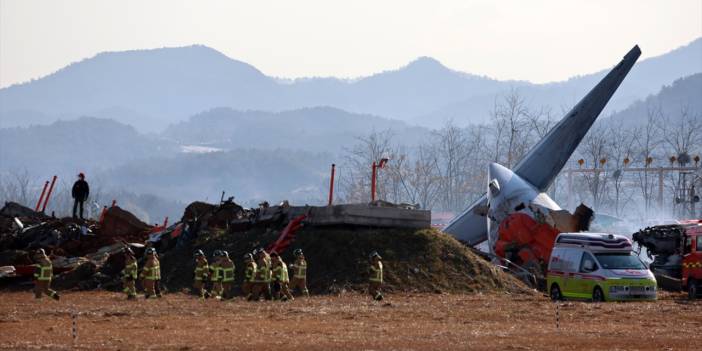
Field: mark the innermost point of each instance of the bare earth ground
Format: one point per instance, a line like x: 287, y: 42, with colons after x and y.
x: 350, y: 321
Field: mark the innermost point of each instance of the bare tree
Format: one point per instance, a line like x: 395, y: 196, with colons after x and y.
x: 540, y: 122
x: 451, y: 149
x: 355, y: 180
x: 622, y: 143
x: 647, y: 142
x: 595, y: 147
x: 680, y: 135
x: 511, y: 127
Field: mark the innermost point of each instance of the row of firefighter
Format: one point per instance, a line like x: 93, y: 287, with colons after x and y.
x: 266, y: 275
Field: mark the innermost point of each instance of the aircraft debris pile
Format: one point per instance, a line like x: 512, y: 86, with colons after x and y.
x: 71, y: 244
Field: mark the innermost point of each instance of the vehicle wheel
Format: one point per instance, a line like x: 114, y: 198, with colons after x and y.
x: 598, y: 295
x: 692, y: 289
x: 556, y: 293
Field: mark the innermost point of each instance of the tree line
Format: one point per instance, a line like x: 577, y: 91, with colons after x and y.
x: 448, y: 170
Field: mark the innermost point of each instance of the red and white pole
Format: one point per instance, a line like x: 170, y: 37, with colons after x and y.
x: 48, y: 195
x: 331, y: 185
x: 373, y: 180
x: 41, y: 197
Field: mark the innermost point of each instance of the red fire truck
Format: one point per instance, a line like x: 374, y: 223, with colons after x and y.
x: 676, y: 251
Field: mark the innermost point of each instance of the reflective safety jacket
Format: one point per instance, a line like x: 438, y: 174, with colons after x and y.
x: 202, y: 270
x: 262, y: 273
x: 376, y: 272
x: 215, y: 272
x: 267, y: 261
x: 300, y: 269
x: 227, y: 271
x: 130, y: 268
x: 280, y: 273
x: 152, y: 270
x: 43, y: 270
x: 250, y: 271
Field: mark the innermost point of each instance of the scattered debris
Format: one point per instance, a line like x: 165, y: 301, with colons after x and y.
x: 87, y: 254
x: 7, y: 271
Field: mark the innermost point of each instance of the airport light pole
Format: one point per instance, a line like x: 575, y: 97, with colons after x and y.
x: 331, y: 185
x: 374, y: 175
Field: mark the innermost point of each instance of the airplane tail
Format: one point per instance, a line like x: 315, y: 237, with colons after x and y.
x: 546, y: 159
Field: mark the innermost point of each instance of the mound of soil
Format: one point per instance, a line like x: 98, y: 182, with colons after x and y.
x: 415, y: 260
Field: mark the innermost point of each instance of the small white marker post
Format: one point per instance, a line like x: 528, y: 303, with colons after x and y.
x: 558, y: 316
x: 74, y: 326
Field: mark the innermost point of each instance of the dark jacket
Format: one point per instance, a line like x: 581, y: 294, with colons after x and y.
x: 80, y: 190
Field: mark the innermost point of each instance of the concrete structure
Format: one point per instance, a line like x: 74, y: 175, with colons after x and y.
x: 366, y: 215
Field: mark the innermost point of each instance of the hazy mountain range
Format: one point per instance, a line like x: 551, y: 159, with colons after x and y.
x: 685, y: 94
x: 310, y: 129
x: 99, y: 144
x: 151, y: 89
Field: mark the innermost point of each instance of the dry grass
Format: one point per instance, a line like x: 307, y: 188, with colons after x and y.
x: 350, y: 321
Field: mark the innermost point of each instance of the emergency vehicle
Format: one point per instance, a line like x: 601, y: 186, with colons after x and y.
x: 598, y: 267
x: 676, y: 251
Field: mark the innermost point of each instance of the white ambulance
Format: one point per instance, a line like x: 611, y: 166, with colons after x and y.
x: 598, y: 267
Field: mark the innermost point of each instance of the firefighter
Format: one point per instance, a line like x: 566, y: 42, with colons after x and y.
x: 269, y: 274
x: 280, y: 279
x: 260, y: 282
x: 216, y: 275
x: 202, y: 271
x: 157, y: 282
x: 249, y: 275
x: 227, y: 268
x: 376, y: 276
x: 150, y: 273
x: 299, y: 268
x: 42, y: 276
x: 129, y: 273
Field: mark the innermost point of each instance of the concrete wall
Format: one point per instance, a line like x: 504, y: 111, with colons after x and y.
x: 362, y: 215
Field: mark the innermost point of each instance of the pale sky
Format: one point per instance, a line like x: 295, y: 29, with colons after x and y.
x: 536, y: 40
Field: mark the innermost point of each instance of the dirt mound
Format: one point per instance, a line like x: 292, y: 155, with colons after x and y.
x: 214, y: 216
x: 415, y: 260
x: 117, y: 226
x: 13, y: 209
x: 120, y: 223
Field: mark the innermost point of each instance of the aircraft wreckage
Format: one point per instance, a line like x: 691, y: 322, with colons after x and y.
x: 517, y: 218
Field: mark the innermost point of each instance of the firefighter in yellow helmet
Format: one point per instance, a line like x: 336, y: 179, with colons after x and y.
x: 260, y: 282
x: 150, y: 273
x: 227, y: 268
x: 269, y: 274
x: 376, y: 276
x: 299, y: 270
x: 281, y: 281
x: 202, y: 271
x: 249, y: 275
x: 43, y: 273
x: 216, y: 274
x: 129, y: 273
